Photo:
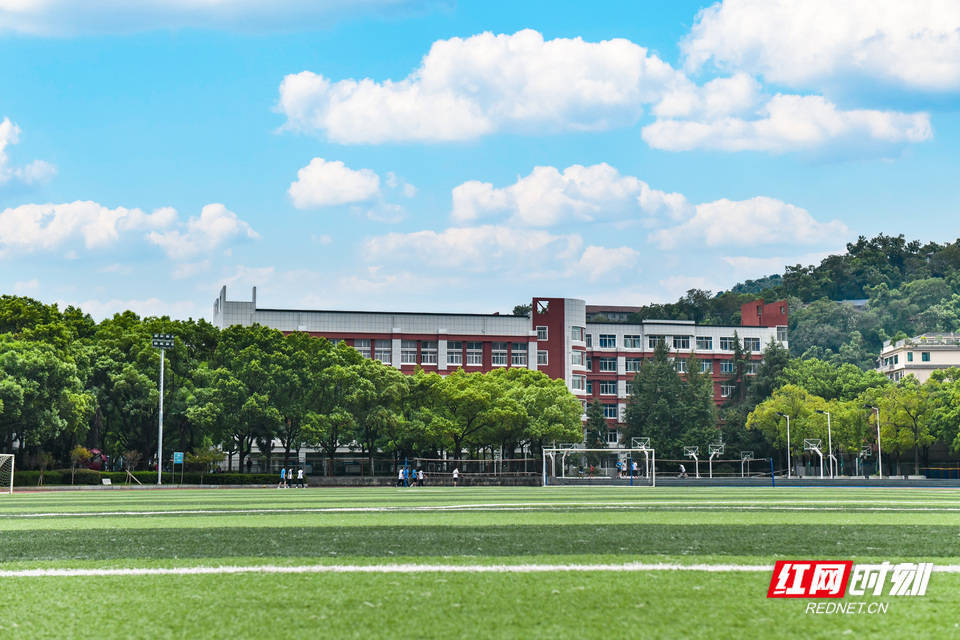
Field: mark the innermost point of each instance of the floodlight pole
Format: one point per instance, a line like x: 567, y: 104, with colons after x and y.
x: 783, y: 415
x: 162, y: 341
x: 160, y: 424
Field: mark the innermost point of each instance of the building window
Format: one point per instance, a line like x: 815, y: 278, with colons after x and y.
x: 608, y: 387
x: 896, y: 358
x: 726, y: 366
x: 590, y: 387
x: 542, y: 358
x: 681, y: 342
x: 706, y: 366
x: 518, y: 354
x: 577, y: 358
x: 408, y: 352
x: 633, y: 364
x: 455, y: 353
x: 727, y: 344
x: 610, y: 411
x: 924, y: 357
x: 428, y: 352
x: 909, y: 356
x: 781, y: 334
x: 704, y: 343
x: 613, y: 436
x: 498, y: 355
x: 589, y: 363
x: 382, y: 351
x: 726, y: 390
x: 752, y: 368
x: 474, y: 354
x: 751, y: 344
x: 653, y: 341
x: 541, y: 333
x: 632, y: 342
x: 629, y: 387
x: 579, y: 383
x: 589, y: 339
x: 608, y: 341
x: 576, y: 333
x: 680, y: 365
x: 363, y: 346
x: 608, y: 364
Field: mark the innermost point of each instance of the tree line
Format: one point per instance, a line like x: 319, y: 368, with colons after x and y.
x: 66, y: 381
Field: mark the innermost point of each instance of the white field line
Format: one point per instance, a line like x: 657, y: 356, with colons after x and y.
x: 385, y: 568
x: 837, y: 505
x: 406, y: 568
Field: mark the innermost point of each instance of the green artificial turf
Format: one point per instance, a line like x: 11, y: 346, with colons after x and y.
x: 433, y: 605
x: 773, y: 541
x: 186, y: 528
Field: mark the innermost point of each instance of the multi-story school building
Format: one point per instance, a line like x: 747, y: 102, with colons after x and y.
x: 596, y: 359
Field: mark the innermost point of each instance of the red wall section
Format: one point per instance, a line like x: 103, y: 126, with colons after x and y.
x: 758, y: 314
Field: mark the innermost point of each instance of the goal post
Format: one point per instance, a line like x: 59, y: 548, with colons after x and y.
x: 6, y: 473
x: 572, y: 465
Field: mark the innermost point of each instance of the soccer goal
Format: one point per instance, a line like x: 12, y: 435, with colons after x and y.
x: 6, y: 473
x: 573, y: 465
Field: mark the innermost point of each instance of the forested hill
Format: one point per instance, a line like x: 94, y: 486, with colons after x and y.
x: 844, y: 308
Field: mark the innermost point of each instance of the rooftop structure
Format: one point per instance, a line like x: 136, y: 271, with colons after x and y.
x: 919, y: 356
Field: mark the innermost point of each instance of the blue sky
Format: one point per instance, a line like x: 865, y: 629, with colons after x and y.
x: 461, y: 156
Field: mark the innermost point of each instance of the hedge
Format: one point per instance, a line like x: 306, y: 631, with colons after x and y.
x: 88, y: 476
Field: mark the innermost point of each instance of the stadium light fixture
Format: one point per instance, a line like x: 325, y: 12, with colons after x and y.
x: 783, y: 415
x: 162, y: 341
x: 830, y: 456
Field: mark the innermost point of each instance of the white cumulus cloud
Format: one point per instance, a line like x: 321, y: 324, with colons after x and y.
x: 468, y: 87
x: 597, y: 262
x: 215, y: 226
x: 484, y: 248
x: 548, y: 196
x: 759, y: 220
x: 43, y: 227
x: 790, y: 123
x: 326, y: 183
x: 807, y: 43
x: 35, y: 172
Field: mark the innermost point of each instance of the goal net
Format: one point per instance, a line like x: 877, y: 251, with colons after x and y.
x: 579, y: 465
x: 6, y: 473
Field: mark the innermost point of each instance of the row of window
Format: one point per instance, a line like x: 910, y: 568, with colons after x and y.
x: 382, y: 350
x: 703, y: 343
x: 631, y: 365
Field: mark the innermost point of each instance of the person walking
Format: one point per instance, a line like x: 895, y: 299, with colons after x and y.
x: 283, y: 478
x: 456, y: 475
x: 420, y: 477
x: 683, y: 471
x: 300, y: 478
x: 400, y: 477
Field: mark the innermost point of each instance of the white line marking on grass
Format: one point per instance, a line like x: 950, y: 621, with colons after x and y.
x: 385, y: 568
x: 506, y: 507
